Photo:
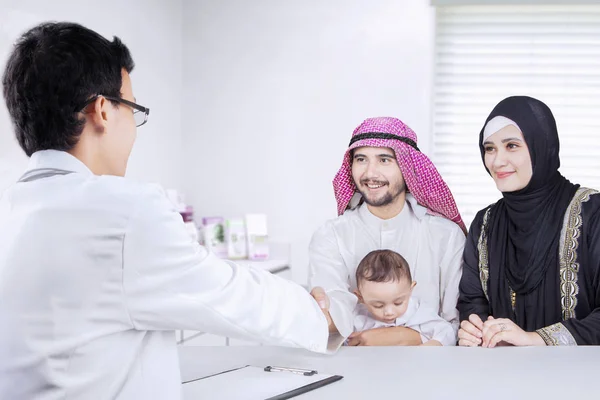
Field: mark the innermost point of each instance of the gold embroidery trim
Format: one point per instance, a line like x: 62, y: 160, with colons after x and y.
x: 513, y: 298
x: 569, y: 267
x: 484, y: 270
x: 557, y: 335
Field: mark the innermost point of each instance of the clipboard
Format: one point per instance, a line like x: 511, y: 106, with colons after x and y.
x: 258, y: 383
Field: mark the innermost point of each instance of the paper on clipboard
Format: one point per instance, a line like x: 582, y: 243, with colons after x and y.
x: 248, y: 383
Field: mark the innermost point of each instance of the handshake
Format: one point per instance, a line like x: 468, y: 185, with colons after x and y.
x: 318, y: 293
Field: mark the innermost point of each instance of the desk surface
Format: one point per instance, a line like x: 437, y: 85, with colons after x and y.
x: 506, y: 373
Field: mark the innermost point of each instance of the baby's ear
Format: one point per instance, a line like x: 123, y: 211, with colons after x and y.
x: 360, y: 299
x: 412, y: 286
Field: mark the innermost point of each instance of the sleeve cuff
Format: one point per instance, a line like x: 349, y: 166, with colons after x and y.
x: 557, y: 335
x: 335, y: 342
x: 342, y: 315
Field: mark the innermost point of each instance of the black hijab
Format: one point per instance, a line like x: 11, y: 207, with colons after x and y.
x: 525, y: 225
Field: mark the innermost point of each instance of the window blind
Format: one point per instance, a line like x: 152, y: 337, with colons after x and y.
x: 486, y: 53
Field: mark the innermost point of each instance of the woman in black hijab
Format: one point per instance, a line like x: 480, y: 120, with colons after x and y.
x: 532, y: 260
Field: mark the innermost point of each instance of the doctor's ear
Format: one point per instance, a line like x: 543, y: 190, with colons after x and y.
x: 96, y: 114
x: 360, y: 299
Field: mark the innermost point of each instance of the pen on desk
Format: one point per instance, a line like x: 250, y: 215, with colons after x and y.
x: 305, y: 372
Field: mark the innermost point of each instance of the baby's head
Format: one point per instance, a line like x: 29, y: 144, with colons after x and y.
x: 384, y: 284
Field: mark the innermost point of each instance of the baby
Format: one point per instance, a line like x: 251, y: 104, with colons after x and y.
x: 384, y: 288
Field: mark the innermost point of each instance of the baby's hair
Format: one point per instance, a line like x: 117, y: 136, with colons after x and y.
x: 382, y: 266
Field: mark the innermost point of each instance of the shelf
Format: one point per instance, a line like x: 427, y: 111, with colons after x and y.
x: 271, y: 265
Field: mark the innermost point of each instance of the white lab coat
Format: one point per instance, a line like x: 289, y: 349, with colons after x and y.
x: 97, y: 273
x: 432, y: 246
x: 417, y: 317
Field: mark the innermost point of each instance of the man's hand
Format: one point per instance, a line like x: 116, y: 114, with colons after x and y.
x: 323, y: 300
x: 432, y: 342
x: 392, y: 336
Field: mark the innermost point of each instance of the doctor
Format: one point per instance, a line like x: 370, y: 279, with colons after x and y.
x: 96, y: 271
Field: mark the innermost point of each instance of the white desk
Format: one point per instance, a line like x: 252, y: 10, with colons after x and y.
x: 381, y: 373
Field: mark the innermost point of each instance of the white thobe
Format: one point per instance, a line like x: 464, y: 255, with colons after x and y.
x: 417, y: 317
x: 431, y: 245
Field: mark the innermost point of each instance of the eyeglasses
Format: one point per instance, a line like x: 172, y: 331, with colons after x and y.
x: 140, y: 113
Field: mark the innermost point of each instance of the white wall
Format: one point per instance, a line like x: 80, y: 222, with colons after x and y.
x: 152, y: 31
x: 272, y: 93
x: 273, y: 90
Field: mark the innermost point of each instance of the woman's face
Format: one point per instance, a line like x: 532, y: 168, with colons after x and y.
x: 508, y: 160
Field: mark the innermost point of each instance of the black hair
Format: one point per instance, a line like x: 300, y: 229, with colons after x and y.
x: 383, y: 266
x: 53, y: 69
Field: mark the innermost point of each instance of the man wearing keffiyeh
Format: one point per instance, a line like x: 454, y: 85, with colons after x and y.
x: 389, y: 196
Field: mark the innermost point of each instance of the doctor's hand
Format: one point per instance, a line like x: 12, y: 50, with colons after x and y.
x: 471, y: 331
x: 323, y: 300
x: 502, y: 331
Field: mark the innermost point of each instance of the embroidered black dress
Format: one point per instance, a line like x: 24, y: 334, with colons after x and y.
x: 534, y: 256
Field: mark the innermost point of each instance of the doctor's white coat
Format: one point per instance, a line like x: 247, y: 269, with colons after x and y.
x: 97, y: 273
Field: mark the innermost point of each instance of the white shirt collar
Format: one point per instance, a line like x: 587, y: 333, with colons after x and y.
x: 58, y: 160
x: 412, y: 307
x: 411, y: 206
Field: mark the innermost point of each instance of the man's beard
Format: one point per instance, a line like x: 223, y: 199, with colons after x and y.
x: 388, y: 198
